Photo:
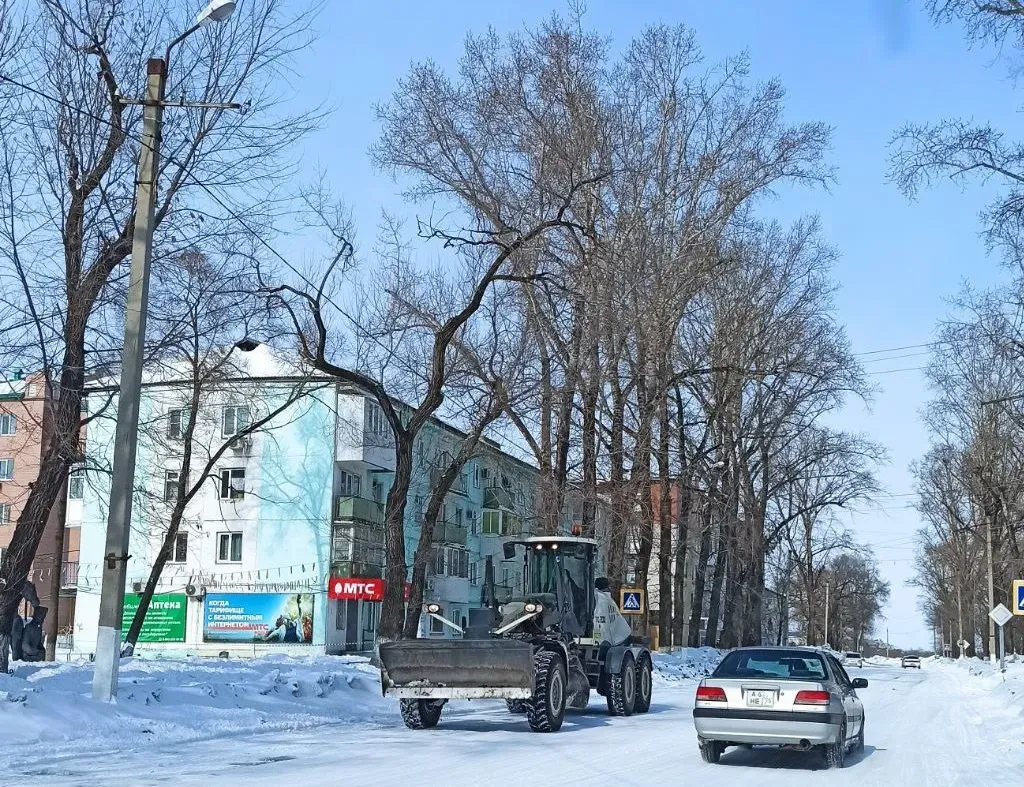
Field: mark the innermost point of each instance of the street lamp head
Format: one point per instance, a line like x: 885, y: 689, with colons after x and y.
x: 216, y: 11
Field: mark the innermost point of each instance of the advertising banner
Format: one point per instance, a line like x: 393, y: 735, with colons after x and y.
x: 258, y: 617
x: 165, y: 618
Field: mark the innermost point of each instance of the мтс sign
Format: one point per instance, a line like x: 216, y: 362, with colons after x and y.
x: 356, y: 589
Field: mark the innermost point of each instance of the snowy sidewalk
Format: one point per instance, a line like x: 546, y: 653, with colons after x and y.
x: 47, y: 708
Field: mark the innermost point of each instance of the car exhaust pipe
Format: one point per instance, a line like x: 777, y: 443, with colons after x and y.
x: 804, y: 745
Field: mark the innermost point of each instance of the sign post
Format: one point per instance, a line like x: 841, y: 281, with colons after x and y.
x: 1001, y: 615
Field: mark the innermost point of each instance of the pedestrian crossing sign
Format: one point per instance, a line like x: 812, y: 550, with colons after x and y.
x: 631, y: 601
x: 1018, y: 597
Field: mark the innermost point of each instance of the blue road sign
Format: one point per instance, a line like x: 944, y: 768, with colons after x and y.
x: 1018, y: 597
x: 631, y: 601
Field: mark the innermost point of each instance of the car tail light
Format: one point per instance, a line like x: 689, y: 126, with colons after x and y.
x: 812, y: 698
x: 711, y: 694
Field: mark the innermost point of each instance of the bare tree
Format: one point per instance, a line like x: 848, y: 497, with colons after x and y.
x: 963, y: 150
x: 68, y: 149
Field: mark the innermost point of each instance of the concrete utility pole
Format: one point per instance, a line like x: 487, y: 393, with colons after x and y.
x: 122, y: 477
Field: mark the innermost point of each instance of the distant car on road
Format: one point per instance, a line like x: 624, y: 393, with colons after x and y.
x: 853, y: 659
x: 798, y: 698
x: 910, y: 661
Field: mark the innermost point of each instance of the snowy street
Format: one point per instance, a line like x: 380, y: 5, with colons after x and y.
x: 939, y: 726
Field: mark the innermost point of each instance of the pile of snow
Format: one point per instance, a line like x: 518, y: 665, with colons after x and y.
x: 686, y: 664
x: 48, y: 706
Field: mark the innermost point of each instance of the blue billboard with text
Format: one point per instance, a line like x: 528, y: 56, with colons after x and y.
x: 258, y: 617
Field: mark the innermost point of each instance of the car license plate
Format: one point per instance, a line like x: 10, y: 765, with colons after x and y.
x: 760, y: 698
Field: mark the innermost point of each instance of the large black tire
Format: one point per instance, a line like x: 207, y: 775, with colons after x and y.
x: 710, y: 751
x: 622, y: 689
x: 644, y: 684
x: 517, y: 706
x: 835, y: 753
x: 421, y: 714
x: 547, y: 708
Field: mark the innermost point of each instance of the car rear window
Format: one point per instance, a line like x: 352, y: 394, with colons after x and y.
x: 772, y: 664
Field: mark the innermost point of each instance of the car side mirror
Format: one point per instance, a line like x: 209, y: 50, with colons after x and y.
x: 510, y: 550
x: 860, y: 683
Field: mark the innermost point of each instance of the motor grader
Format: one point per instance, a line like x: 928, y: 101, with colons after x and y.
x: 542, y: 653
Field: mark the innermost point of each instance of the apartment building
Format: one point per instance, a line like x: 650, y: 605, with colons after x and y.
x: 24, y: 431
x: 282, y: 546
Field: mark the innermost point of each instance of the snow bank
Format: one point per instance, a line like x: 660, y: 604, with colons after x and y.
x: 48, y: 707
x: 685, y: 664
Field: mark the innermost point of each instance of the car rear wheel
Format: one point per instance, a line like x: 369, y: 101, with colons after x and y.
x: 517, y: 706
x: 622, y: 689
x: 710, y: 751
x: 835, y: 753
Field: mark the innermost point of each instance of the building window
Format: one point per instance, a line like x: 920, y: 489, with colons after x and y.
x: 76, y: 484
x: 490, y: 524
x: 438, y: 561
x: 376, y: 423
x: 171, y: 485
x: 473, y: 575
x: 436, y: 626
x: 180, y: 552
x: 5, y: 514
x: 6, y: 469
x: 234, y: 419
x: 457, y: 562
x: 458, y: 517
x: 232, y: 483
x: 349, y: 484
x: 175, y: 423
x: 510, y: 524
x: 229, y: 547
x: 7, y: 424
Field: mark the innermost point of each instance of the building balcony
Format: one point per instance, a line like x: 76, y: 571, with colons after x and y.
x: 356, y: 568
x: 497, y: 497
x: 459, y: 485
x: 450, y: 533
x: 360, y: 509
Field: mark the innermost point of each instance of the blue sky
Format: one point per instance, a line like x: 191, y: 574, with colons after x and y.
x: 864, y: 68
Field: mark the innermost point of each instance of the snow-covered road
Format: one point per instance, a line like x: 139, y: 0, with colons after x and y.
x: 935, y: 728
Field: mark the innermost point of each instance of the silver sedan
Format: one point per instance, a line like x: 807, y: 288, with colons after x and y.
x: 799, y: 698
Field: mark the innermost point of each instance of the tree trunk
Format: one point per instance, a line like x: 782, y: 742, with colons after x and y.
x: 665, y: 524
x: 620, y: 513
x: 51, y: 624
x: 680, y: 601
x: 425, y: 544
x: 700, y: 574
x: 714, y: 605
x: 392, y: 613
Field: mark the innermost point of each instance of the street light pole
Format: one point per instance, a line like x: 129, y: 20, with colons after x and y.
x: 108, y: 639
x: 122, y: 477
